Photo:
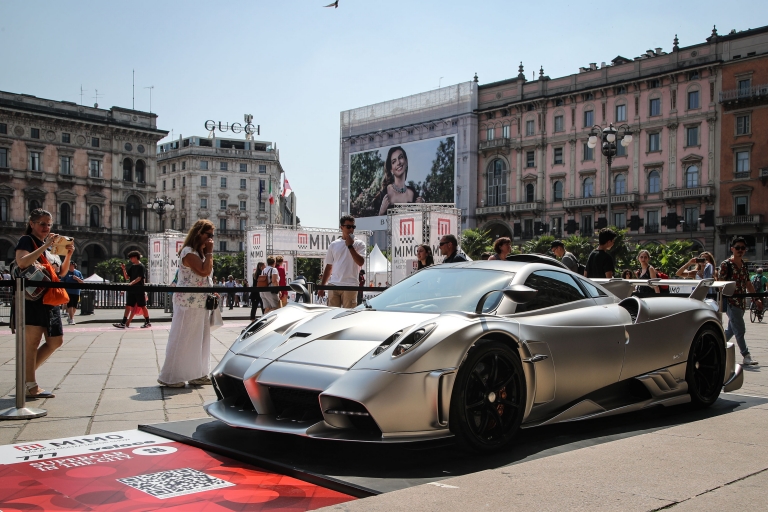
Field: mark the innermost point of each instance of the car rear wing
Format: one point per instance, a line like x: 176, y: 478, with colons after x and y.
x: 699, y: 289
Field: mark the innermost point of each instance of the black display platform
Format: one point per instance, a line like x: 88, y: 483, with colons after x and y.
x: 365, y: 469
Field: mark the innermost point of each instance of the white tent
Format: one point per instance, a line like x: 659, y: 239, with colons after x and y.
x: 378, y: 265
x: 95, y: 278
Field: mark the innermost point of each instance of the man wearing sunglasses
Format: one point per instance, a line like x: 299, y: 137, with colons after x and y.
x: 449, y: 247
x: 342, y: 265
x: 734, y: 269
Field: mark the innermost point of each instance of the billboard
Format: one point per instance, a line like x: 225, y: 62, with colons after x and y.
x: 414, y: 172
x: 164, y: 256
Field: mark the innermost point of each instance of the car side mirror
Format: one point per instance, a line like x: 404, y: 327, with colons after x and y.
x: 518, y: 293
x: 300, y: 288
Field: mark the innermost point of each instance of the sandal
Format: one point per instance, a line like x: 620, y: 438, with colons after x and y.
x: 175, y: 385
x: 202, y: 381
x: 40, y: 394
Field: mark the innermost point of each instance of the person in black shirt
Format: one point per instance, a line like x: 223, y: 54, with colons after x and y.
x: 600, y: 263
x: 449, y: 247
x: 135, y: 276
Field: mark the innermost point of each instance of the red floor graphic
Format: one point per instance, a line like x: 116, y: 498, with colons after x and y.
x: 136, y: 471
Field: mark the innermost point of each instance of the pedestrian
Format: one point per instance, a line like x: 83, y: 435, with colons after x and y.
x: 361, y: 284
x: 72, y: 276
x: 734, y: 269
x: 188, y: 353
x: 230, y: 293
x: 238, y: 295
x: 600, y: 263
x: 449, y: 247
x: 501, y: 248
x: 424, y: 255
x: 342, y: 265
x: 270, y: 300
x: 255, y: 296
x: 646, y: 271
x: 39, y: 318
x: 135, y: 275
x: 485, y: 256
x: 697, y: 268
x: 569, y: 260
x: 246, y: 294
x: 627, y: 274
x: 758, y: 283
x: 283, y: 294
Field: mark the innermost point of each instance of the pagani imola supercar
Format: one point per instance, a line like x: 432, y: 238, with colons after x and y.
x: 475, y: 350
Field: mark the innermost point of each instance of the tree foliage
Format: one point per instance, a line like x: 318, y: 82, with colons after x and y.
x: 111, y: 271
x: 225, y: 265
x: 475, y: 242
x: 310, y: 268
x: 366, y: 175
x: 671, y: 256
x: 438, y: 186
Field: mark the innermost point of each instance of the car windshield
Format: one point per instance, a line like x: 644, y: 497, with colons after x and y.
x: 436, y: 289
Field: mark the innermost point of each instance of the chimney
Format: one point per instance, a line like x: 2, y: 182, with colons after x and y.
x: 602, y: 64
x: 659, y: 52
x: 650, y: 53
x: 593, y: 66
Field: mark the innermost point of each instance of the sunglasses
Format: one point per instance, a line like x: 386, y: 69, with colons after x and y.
x: 740, y: 247
x: 348, y: 226
x: 208, y: 234
x: 443, y: 243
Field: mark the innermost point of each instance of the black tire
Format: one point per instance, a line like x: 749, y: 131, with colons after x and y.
x: 705, y: 370
x: 488, y: 399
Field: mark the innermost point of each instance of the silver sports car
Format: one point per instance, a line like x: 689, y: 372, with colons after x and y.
x: 475, y: 350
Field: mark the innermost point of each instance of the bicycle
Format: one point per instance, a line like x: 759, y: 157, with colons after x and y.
x: 755, y: 312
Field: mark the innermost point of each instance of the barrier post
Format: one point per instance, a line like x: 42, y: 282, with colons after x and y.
x: 20, y: 412
x: 311, y: 289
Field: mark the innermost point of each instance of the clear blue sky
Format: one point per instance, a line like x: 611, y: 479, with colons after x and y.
x: 295, y: 65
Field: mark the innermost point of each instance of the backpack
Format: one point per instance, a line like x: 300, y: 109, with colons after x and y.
x: 757, y: 283
x: 264, y: 280
x: 661, y: 275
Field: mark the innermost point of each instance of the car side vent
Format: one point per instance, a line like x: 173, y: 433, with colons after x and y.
x: 300, y: 335
x: 633, y: 307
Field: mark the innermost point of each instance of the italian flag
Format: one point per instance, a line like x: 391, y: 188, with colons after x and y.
x: 271, y: 197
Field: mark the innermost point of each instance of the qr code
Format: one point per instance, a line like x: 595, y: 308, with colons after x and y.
x: 173, y: 483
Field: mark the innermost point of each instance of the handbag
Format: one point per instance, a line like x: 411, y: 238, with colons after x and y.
x: 31, y: 274
x: 211, y: 302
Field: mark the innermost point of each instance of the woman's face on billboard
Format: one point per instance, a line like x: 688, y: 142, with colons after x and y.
x: 399, y: 164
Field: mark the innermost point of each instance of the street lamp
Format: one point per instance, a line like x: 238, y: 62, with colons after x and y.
x: 608, y: 148
x: 160, y: 205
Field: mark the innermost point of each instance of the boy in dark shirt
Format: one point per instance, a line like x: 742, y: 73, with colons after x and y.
x: 135, y: 276
x: 600, y: 263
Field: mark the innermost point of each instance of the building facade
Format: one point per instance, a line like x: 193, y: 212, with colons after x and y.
x: 92, y: 168
x: 226, y: 181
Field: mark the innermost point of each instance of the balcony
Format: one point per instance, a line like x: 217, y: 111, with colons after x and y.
x: 745, y: 94
x: 494, y: 143
x: 688, y: 193
x: 741, y: 175
x: 585, y: 202
x: 651, y: 228
x: 490, y: 210
x: 525, y: 207
x: 732, y: 220
x: 624, y: 199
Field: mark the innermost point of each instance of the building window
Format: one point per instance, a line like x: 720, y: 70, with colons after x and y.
x: 497, y: 183
x: 66, y: 165
x: 586, y: 225
x: 693, y: 75
x: 262, y: 206
x: 165, y: 170
x: 34, y: 161
x: 654, y: 142
x: 559, y: 102
x: 559, y: 124
x: 589, y: 153
x: 173, y: 223
x: 242, y: 206
x: 530, y: 191
x: 65, y: 138
x: 620, y: 184
x: 223, y: 166
x: 692, y: 177
x: 262, y: 168
x: 620, y: 220
x: 183, y: 223
x: 222, y: 246
x: 489, y: 132
x: 693, y: 100
x: 530, y: 127
x: 621, y: 113
x: 65, y: 217
x: 94, y: 142
x: 242, y: 225
x: 742, y: 125
x: 692, y: 136
x: 203, y: 203
x: 34, y: 133
x: 620, y: 150
x: 3, y: 157
x: 3, y: 128
x: 173, y: 167
x: 183, y: 201
x: 652, y: 221
x: 243, y: 184
x: 222, y: 224
x: 557, y: 191
x: 655, y: 83
x: 558, y: 156
x: 3, y: 209
x: 127, y: 170
x: 744, y: 87
x: 204, y: 165
x: 223, y: 204
x: 741, y: 205
x: 589, y: 118
x: 243, y: 167
x: 505, y: 131
x: 34, y: 204
x: 203, y: 181
x: 173, y: 183
x: 183, y: 165
x: 223, y: 183
x: 95, y: 216
x: 588, y: 187
x: 140, y: 175
x: 691, y: 219
x: 164, y: 185
x: 654, y: 182
x: 95, y: 168
x: 655, y: 107
x: 530, y: 159
x: 742, y: 161
x: 183, y: 181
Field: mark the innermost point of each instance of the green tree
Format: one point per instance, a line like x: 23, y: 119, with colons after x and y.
x: 310, y: 268
x: 112, y: 271
x: 579, y: 246
x: 475, y: 242
x: 669, y: 257
x: 539, y: 245
x: 438, y: 186
x: 225, y: 265
x: 365, y: 178
x: 624, y: 252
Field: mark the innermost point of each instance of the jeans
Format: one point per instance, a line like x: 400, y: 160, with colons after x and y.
x: 736, y: 328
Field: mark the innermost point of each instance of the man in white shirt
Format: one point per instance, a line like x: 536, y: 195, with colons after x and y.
x: 342, y: 265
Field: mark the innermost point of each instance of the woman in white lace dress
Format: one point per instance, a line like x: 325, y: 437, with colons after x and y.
x: 188, y: 354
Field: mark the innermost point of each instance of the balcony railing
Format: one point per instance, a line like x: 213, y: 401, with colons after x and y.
x: 685, y: 193
x: 741, y: 175
x: 488, y: 210
x: 525, y: 207
x: 651, y: 228
x: 494, y: 143
x: 584, y: 202
x: 739, y: 219
x: 745, y: 93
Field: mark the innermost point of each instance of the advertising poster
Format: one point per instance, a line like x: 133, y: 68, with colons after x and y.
x: 414, y: 172
x: 440, y: 224
x: 406, y: 236
x: 163, y: 256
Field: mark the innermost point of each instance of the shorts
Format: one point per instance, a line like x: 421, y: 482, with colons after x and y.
x: 73, y: 300
x: 36, y: 313
x: 269, y: 300
x: 55, y: 327
x: 342, y: 298
x: 135, y: 299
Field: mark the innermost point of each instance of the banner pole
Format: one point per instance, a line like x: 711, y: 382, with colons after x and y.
x: 20, y: 412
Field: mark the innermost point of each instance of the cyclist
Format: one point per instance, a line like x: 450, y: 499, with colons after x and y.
x: 759, y: 282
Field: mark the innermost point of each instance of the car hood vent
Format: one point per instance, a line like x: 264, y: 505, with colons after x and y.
x: 300, y: 335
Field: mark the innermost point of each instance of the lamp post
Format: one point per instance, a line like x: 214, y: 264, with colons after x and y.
x: 160, y: 205
x: 608, y: 148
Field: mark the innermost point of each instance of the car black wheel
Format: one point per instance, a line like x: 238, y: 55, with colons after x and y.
x: 488, y: 400
x: 706, y: 367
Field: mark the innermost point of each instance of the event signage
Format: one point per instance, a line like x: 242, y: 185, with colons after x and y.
x: 164, y: 256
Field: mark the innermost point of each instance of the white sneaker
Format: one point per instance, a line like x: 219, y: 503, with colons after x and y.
x: 72, y: 322
x: 748, y: 361
x: 69, y: 321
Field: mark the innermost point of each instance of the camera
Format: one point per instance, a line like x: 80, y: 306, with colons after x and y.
x: 701, y: 260
x: 60, y: 247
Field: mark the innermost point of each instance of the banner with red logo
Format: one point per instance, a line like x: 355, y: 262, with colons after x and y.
x: 164, y: 256
x: 407, y: 234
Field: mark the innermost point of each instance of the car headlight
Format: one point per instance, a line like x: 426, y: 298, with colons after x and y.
x: 257, y: 326
x: 412, y: 339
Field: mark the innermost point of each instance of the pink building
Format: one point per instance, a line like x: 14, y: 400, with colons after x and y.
x: 537, y: 175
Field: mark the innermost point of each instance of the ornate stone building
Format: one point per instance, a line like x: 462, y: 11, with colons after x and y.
x: 226, y: 181
x: 92, y: 168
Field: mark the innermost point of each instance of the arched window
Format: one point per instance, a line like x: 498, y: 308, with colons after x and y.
x: 3, y: 209
x: 654, y: 182
x: 95, y: 216
x: 588, y: 188
x: 140, y: 172
x: 65, y: 219
x: 497, y: 183
x: 127, y: 170
x: 132, y: 213
x: 529, y: 193
x: 620, y: 184
x: 692, y: 177
x: 557, y: 191
x: 34, y: 204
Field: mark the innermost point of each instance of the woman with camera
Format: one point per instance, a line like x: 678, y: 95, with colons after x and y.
x: 188, y: 354
x: 703, y: 268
